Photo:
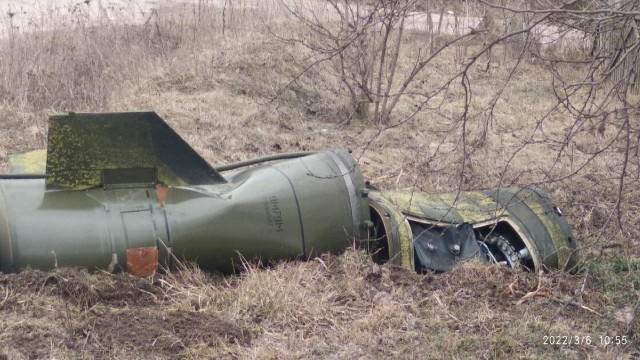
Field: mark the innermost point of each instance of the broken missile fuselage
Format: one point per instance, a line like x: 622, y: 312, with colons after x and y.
x: 123, y: 192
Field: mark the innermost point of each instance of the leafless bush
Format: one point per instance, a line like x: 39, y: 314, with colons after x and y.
x: 587, y: 50
x: 363, y: 44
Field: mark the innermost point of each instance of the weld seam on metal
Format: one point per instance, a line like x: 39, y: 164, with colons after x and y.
x: 295, y: 197
x: 112, y: 241
x: 112, y: 210
x: 154, y: 228
x: 169, y: 243
x: 351, y: 189
x: 3, y: 195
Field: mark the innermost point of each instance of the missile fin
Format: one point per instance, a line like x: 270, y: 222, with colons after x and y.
x: 87, y: 150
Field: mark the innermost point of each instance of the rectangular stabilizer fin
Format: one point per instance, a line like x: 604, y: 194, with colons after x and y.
x: 82, y: 146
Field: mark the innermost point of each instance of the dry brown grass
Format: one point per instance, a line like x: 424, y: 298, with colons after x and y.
x: 330, y: 307
x: 218, y: 91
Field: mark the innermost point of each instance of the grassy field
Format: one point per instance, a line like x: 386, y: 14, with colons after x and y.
x: 220, y: 80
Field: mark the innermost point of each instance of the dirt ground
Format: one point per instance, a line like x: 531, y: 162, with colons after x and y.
x: 225, y: 83
x: 344, y: 306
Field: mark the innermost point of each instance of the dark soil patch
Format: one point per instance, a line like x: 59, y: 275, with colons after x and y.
x: 72, y: 311
x: 85, y: 290
x: 155, y: 332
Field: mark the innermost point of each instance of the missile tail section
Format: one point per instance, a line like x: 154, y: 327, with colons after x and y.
x: 295, y: 209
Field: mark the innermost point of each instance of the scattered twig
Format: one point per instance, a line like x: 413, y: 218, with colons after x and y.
x: 399, y: 176
x: 539, y: 291
x: 444, y: 306
x: 6, y: 296
x: 321, y: 263
x: 542, y: 292
x: 584, y: 284
x: 574, y: 303
x: 512, y: 290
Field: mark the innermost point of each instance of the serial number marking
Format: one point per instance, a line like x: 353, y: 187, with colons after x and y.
x: 601, y: 340
x: 273, y: 212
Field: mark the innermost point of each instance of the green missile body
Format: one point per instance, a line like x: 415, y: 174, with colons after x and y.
x: 274, y: 212
x: 123, y: 192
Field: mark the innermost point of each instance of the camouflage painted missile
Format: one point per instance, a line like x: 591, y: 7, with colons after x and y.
x: 515, y: 226
x: 123, y: 192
